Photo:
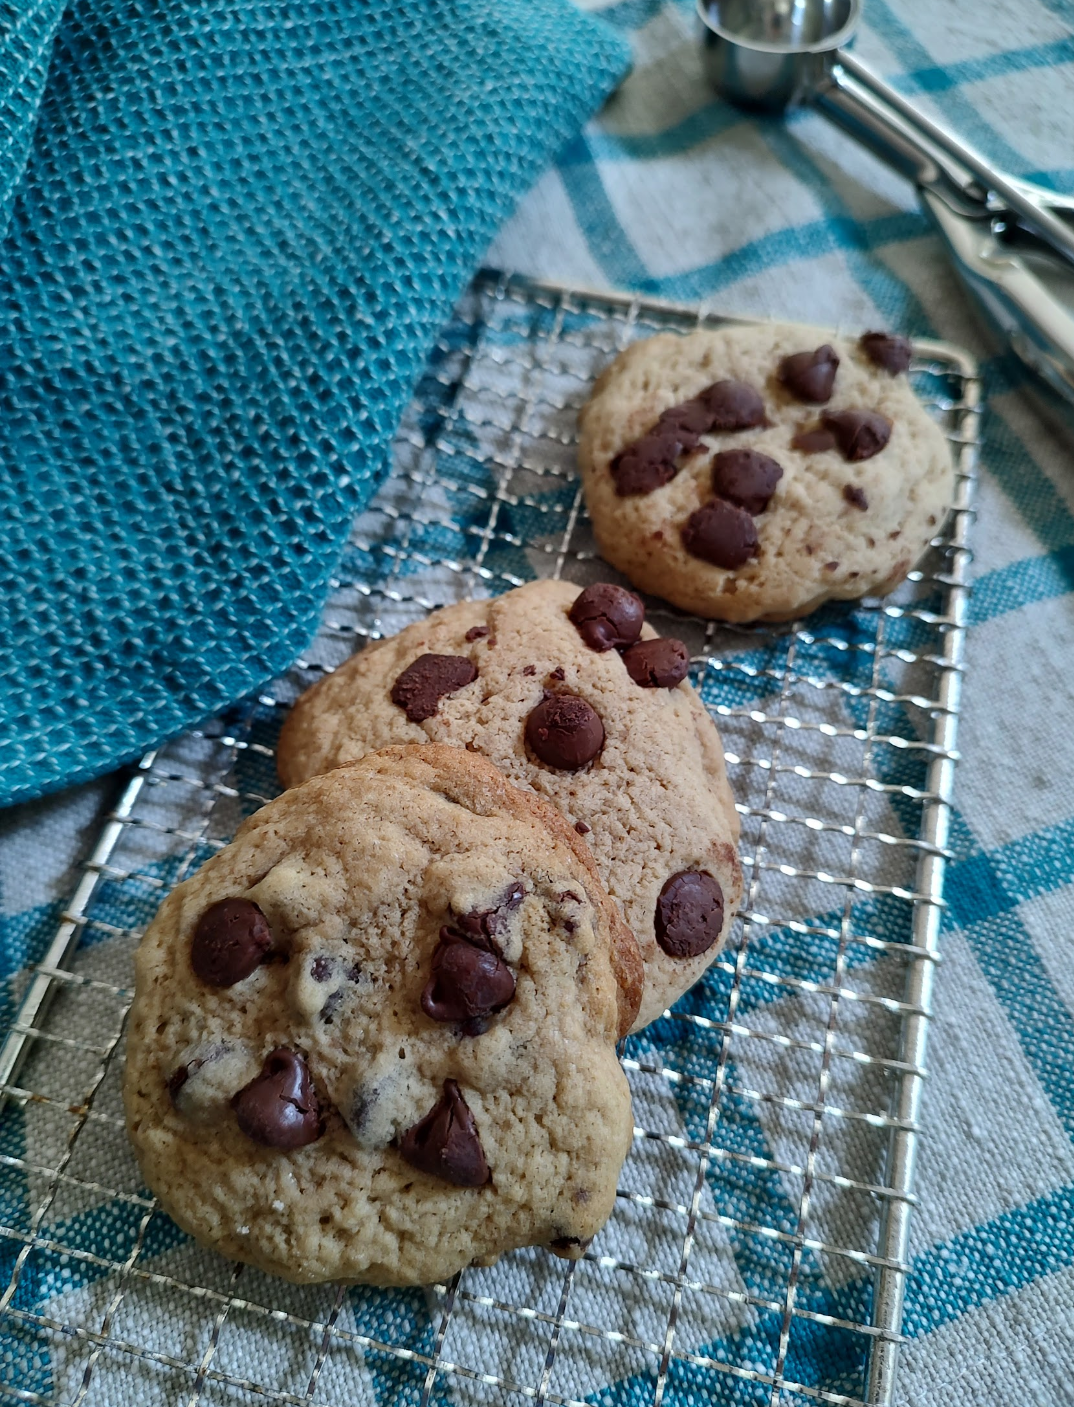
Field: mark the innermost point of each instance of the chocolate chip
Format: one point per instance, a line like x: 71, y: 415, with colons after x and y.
x: 649, y: 463
x: 176, y: 1080
x: 689, y: 420
x: 422, y: 685
x: 859, y: 433
x: 467, y: 981
x: 885, y: 350
x: 813, y: 441
x: 530, y: 669
x: 657, y: 664
x: 322, y: 967
x: 855, y: 496
x: 279, y: 1108
x: 720, y: 533
x: 746, y: 477
x: 570, y: 1247
x: 733, y: 405
x: 689, y: 914
x: 831, y: 566
x: 332, y: 1004
x: 446, y: 1143
x: 558, y: 674
x: 477, y: 632
x: 481, y: 926
x: 361, y: 1107
x: 725, y: 405
x: 607, y: 617
x: 582, y: 828
x: 231, y: 939
x: 810, y: 375
x: 565, y: 732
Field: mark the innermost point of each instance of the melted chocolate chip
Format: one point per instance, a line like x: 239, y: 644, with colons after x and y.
x: 720, y: 533
x: 477, y: 632
x: 689, y: 914
x: 745, y: 477
x: 887, y: 351
x: 231, y: 939
x: 733, y: 405
x: 814, y: 440
x: 810, y: 375
x: 565, y: 732
x: 649, y: 463
x: 446, y: 1143
x: 855, y: 496
x: 607, y: 617
x: 422, y: 685
x: 279, y: 1108
x: 467, y: 982
x: 657, y: 664
x: 859, y: 433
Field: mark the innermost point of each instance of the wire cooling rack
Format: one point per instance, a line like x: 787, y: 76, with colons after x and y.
x: 758, y: 1250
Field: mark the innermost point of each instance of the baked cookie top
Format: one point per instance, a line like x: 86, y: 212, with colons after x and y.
x: 752, y: 473
x: 592, y: 713
x: 373, y: 1039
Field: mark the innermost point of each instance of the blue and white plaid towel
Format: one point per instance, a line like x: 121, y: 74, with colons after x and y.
x: 672, y: 193
x: 679, y: 196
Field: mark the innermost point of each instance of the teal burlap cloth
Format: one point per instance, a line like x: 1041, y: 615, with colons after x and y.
x: 238, y: 230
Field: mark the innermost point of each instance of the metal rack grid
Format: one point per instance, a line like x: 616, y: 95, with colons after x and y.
x: 758, y: 1250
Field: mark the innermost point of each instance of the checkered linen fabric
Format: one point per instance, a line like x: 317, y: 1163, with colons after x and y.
x: 677, y: 195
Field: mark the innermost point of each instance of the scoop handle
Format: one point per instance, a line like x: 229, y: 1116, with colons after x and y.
x: 927, y: 152
x: 1037, y: 325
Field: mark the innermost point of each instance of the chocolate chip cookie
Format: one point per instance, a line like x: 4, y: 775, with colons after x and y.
x: 752, y: 473
x: 373, y: 1039
x: 573, y: 697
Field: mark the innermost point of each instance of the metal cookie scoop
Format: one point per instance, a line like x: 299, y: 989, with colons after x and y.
x: 1012, y: 241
